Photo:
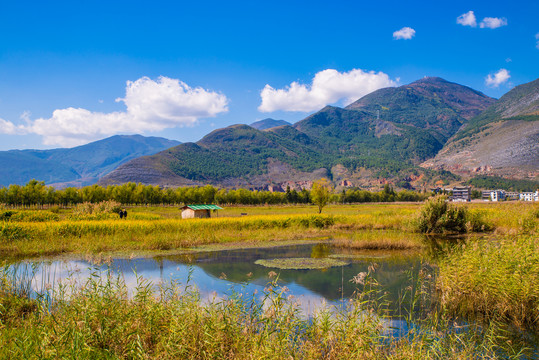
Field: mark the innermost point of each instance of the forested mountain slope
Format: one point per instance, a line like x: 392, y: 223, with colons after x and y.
x: 384, y: 134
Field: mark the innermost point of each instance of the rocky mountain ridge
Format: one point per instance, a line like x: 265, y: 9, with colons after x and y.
x: 501, y: 141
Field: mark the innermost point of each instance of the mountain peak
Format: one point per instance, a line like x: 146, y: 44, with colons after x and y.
x: 268, y: 124
x: 431, y: 80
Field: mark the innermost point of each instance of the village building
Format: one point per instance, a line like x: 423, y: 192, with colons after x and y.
x: 493, y: 195
x: 529, y: 196
x: 199, y: 211
x: 512, y: 195
x: 461, y: 193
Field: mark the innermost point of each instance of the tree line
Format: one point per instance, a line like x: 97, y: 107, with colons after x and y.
x: 36, y: 193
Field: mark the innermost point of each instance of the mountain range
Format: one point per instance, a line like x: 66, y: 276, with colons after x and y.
x: 412, y: 136
x: 78, y: 166
x: 383, y: 135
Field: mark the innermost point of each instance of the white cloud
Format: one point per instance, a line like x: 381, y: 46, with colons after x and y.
x: 328, y: 86
x: 467, y: 19
x: 151, y: 106
x: 498, y: 78
x: 7, y: 127
x: 405, y: 33
x: 537, y: 38
x: 493, y: 23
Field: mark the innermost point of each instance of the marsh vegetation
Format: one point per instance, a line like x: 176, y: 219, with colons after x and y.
x: 476, y: 297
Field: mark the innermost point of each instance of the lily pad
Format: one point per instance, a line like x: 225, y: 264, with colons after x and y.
x: 301, y: 263
x: 357, y: 256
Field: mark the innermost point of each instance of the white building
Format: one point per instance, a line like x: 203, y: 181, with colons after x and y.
x: 461, y: 193
x: 529, y: 196
x: 493, y: 195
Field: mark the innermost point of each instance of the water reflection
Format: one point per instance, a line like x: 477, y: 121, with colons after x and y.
x: 220, y: 273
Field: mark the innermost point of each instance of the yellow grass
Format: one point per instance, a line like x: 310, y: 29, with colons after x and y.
x: 365, y: 226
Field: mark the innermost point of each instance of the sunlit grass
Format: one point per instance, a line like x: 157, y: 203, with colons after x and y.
x: 495, y: 279
x: 102, y: 319
x: 365, y: 226
x: 380, y: 240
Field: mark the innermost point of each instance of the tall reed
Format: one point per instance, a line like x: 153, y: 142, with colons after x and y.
x: 100, y: 319
x: 494, y: 279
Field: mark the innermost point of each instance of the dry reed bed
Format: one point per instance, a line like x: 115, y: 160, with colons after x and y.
x: 494, y: 279
x: 100, y: 320
x: 381, y: 226
x: 386, y: 239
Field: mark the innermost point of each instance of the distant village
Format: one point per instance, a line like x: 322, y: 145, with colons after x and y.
x: 464, y: 193
x: 457, y: 193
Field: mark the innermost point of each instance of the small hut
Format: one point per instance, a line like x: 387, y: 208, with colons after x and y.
x: 199, y: 211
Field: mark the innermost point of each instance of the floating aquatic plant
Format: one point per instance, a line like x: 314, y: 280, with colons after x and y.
x: 301, y: 263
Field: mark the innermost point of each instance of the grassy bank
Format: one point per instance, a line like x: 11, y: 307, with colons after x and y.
x: 100, y: 320
x: 382, y: 226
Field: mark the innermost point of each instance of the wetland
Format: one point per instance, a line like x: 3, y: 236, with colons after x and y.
x: 356, y: 281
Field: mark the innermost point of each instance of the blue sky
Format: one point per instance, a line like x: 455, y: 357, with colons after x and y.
x: 196, y: 66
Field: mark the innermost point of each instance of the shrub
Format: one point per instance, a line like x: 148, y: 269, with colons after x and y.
x: 101, y: 210
x: 438, y: 216
x: 55, y: 209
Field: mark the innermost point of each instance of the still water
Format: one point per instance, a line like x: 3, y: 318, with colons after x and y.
x: 217, y: 274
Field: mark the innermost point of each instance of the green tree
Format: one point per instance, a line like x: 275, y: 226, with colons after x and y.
x: 321, y: 193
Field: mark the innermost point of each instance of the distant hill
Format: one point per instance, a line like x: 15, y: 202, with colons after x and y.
x: 81, y: 165
x: 502, y: 141
x: 385, y: 134
x: 268, y: 124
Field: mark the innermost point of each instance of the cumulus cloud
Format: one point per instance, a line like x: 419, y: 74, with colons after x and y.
x: 492, y: 22
x: 152, y: 105
x: 537, y: 38
x: 467, y: 19
x: 495, y: 80
x: 405, y: 33
x: 7, y: 127
x: 328, y: 86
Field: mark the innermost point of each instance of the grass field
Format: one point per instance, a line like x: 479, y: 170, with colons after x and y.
x: 386, y: 226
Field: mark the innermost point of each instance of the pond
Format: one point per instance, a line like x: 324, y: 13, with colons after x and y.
x: 220, y: 273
